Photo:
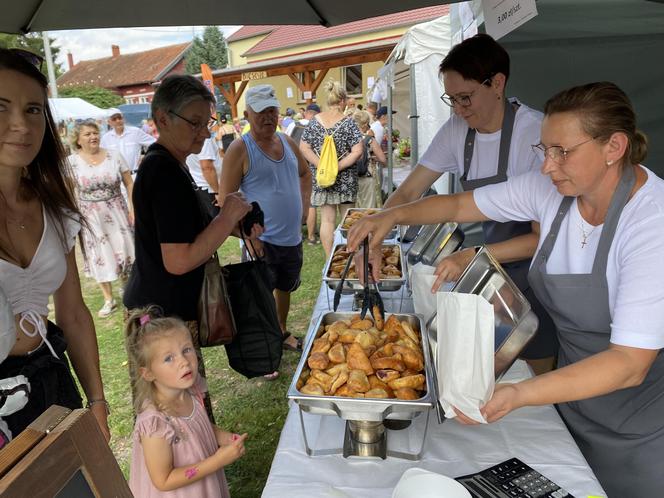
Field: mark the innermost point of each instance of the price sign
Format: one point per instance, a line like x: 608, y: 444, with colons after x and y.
x: 503, y: 16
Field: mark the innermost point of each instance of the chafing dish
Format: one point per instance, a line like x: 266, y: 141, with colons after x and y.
x: 515, y: 323
x: 447, y: 239
x: 362, y: 409
x: 353, y: 284
x: 344, y: 231
x: 420, y: 243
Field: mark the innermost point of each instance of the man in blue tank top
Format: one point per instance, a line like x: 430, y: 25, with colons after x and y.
x: 267, y: 167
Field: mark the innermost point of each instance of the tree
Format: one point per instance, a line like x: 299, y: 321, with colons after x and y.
x: 101, y: 97
x: 210, y: 50
x: 33, y: 42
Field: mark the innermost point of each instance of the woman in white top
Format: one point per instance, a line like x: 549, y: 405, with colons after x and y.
x: 486, y: 141
x: 109, y: 241
x: 39, y: 221
x: 597, y: 270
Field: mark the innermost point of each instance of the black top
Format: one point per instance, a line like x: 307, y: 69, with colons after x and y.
x: 166, y: 210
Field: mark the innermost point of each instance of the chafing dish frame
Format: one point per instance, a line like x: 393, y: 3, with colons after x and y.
x: 368, y: 409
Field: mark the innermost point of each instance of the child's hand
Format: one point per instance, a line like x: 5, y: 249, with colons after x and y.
x: 232, y: 451
x: 225, y: 438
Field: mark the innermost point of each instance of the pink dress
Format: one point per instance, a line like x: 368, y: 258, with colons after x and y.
x: 192, y: 440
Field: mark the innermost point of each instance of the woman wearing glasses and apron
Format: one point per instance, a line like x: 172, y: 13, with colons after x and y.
x: 597, y: 271
x: 487, y: 140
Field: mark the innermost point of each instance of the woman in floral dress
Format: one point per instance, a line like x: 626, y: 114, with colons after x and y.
x: 348, y: 141
x: 109, y: 239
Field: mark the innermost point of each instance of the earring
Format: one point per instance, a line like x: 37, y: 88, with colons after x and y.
x: 609, y: 163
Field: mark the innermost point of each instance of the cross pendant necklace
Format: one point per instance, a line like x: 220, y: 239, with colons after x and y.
x: 585, y: 235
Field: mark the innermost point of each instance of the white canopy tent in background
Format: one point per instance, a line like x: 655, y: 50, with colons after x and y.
x: 412, y: 73
x: 74, y: 108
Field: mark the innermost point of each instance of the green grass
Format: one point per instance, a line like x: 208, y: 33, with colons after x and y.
x: 255, y: 406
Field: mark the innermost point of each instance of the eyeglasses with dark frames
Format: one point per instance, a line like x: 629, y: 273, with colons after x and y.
x: 557, y: 153
x: 463, y: 100
x: 30, y: 57
x: 197, y: 126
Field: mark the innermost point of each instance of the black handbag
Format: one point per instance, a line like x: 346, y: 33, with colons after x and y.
x: 257, y: 347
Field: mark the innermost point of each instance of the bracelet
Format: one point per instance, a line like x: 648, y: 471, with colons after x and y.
x: 100, y: 400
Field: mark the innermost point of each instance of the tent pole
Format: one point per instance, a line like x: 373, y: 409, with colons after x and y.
x: 390, y: 156
x: 49, y: 65
x: 414, y: 116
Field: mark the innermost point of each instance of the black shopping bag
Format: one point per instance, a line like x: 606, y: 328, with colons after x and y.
x: 257, y: 347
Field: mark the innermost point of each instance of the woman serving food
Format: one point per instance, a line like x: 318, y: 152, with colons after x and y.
x: 597, y: 271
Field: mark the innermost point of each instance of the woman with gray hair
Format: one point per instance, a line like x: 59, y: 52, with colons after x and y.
x: 173, y: 238
x: 108, y: 239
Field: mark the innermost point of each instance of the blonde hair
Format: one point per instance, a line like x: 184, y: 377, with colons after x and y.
x: 362, y: 118
x: 602, y: 109
x: 335, y: 92
x: 76, y: 132
x: 145, y: 326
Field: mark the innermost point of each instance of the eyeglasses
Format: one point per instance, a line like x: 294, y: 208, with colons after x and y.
x: 30, y: 57
x: 558, y: 153
x: 463, y: 100
x: 197, y: 126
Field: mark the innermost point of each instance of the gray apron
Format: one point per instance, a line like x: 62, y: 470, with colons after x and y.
x: 621, y: 434
x: 494, y: 231
x: 544, y: 344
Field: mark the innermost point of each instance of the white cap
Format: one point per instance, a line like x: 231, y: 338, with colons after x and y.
x: 113, y: 111
x: 261, y: 97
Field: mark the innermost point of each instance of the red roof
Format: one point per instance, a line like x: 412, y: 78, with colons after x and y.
x: 126, y: 69
x: 249, y: 31
x: 290, y: 36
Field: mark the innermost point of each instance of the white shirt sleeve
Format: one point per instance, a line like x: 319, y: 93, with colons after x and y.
x: 143, y: 138
x: 209, y: 151
x: 442, y: 154
x: 520, y: 198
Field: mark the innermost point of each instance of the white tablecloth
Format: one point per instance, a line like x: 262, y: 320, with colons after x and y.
x: 536, y: 435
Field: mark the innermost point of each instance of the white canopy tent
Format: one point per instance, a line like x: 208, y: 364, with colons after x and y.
x: 411, y: 72
x: 74, y: 108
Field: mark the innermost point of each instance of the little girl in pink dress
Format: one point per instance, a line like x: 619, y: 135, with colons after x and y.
x: 177, y: 451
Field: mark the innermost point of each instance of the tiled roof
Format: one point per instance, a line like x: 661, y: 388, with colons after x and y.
x: 125, y: 69
x: 291, y: 36
x: 249, y: 31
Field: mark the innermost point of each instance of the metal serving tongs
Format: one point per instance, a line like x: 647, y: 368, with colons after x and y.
x: 340, y: 285
x: 372, y: 300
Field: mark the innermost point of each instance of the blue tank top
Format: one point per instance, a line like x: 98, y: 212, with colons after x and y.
x: 275, y: 185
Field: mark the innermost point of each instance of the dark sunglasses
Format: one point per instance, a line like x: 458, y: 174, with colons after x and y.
x: 32, y: 58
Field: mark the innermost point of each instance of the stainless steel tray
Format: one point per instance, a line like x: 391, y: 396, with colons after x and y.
x: 344, y: 231
x: 515, y: 323
x: 361, y: 408
x: 353, y: 284
x: 447, y: 239
x: 420, y: 243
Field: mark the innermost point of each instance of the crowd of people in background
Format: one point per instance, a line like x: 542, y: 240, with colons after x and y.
x: 564, y: 189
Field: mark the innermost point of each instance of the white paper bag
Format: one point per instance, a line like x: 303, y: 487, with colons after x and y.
x: 421, y: 279
x: 465, y: 356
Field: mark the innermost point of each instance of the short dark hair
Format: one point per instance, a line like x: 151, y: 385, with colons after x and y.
x: 477, y: 58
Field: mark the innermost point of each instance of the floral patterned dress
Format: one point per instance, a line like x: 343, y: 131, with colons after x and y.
x: 345, y: 134
x: 109, y: 240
